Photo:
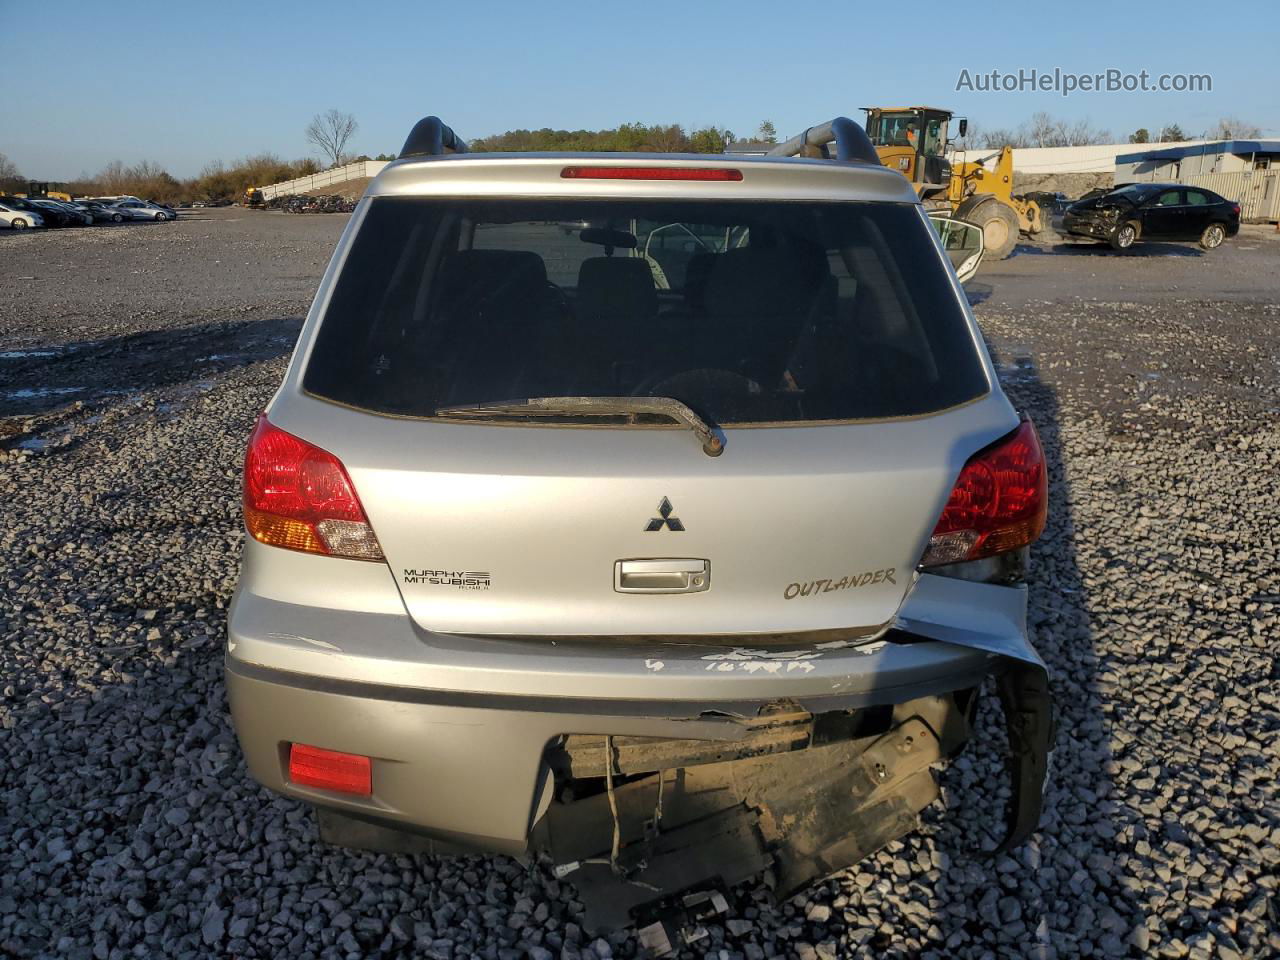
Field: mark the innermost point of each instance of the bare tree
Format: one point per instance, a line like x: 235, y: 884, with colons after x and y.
x: 1045, y: 130
x: 1229, y: 128
x: 974, y: 136
x: 995, y: 139
x: 10, y: 178
x: 330, y: 132
x: 1082, y: 134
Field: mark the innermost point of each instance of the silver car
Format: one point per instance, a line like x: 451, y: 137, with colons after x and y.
x: 141, y: 210
x: 662, y: 550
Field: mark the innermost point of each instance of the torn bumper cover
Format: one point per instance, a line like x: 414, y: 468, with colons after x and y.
x: 1022, y: 683
x: 797, y: 795
x: 641, y: 772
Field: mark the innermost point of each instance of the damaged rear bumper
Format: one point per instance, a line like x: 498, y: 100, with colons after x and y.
x: 733, y: 746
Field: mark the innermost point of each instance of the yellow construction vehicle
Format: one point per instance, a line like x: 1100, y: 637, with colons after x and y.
x: 914, y: 141
x: 253, y: 197
x: 45, y: 191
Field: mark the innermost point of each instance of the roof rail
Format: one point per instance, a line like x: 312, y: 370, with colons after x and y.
x: 430, y: 138
x: 852, y: 142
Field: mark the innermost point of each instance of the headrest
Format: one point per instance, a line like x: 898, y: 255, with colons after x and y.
x: 609, y: 238
x: 617, y: 288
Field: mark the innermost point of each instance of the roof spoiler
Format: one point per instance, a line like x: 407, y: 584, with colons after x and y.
x: 852, y: 142
x: 431, y: 138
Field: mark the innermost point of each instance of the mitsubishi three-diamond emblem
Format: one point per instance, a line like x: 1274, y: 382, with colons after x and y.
x: 665, y: 519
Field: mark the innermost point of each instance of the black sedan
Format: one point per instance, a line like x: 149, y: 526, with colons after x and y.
x: 54, y: 216
x: 1154, y: 211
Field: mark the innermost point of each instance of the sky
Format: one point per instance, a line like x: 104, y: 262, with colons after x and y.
x: 182, y: 83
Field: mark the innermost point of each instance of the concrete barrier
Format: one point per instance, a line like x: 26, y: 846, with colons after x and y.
x: 325, y: 178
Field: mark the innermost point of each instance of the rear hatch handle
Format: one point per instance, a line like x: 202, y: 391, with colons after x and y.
x: 711, y: 437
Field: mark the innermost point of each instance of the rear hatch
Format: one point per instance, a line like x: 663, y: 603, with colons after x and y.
x: 822, y: 342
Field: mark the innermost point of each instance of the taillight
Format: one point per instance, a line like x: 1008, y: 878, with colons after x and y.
x: 299, y: 497
x: 1235, y: 208
x: 999, y: 502
x: 651, y: 173
x: 330, y: 770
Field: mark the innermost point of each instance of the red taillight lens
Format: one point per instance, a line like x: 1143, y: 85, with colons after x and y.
x: 999, y: 502
x: 651, y: 173
x: 299, y: 497
x: 1235, y: 208
x: 330, y: 770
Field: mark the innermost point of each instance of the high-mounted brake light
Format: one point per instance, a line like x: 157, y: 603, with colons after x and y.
x: 651, y: 173
x: 999, y: 502
x: 330, y: 770
x: 299, y: 497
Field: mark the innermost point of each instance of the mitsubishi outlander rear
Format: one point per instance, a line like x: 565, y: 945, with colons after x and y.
x: 657, y: 517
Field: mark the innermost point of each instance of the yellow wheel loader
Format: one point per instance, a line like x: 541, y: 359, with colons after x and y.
x: 913, y: 141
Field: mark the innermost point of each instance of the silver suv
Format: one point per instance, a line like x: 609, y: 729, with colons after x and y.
x: 658, y: 516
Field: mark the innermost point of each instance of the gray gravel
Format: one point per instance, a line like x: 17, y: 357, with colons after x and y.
x: 129, y: 827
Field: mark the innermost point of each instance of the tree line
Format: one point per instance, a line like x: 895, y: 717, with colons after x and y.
x: 331, y: 132
x: 625, y: 138
x: 1046, y: 130
x: 1227, y: 128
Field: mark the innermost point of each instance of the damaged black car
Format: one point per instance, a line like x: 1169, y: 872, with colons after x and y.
x: 1153, y: 211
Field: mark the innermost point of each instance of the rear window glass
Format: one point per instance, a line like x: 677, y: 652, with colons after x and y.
x: 748, y: 311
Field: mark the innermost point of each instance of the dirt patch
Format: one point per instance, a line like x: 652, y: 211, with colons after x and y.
x: 1072, y: 184
x: 350, y: 189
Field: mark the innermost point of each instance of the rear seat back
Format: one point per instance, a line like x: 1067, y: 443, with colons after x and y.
x: 500, y: 305
x: 756, y: 303
x: 616, y: 290
x: 614, y: 316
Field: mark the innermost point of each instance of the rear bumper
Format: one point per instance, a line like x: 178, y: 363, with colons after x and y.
x: 457, y: 728
x: 467, y: 768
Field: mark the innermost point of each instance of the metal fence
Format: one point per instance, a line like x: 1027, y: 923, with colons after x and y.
x: 327, y: 178
x: 1257, y: 191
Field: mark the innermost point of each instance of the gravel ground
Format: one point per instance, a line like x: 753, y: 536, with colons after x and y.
x: 131, y: 369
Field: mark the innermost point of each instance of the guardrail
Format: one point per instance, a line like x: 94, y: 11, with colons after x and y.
x: 326, y: 178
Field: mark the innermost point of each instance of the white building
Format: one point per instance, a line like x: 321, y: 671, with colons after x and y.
x: 1245, y: 171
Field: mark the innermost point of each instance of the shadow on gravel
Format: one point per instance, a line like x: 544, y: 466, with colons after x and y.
x: 976, y: 292
x: 1143, y: 250
x: 37, y: 380
x: 1013, y: 901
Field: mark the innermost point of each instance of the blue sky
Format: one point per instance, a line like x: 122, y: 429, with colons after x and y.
x: 183, y: 83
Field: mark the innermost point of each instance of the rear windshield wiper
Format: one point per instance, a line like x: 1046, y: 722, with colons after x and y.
x: 712, y: 440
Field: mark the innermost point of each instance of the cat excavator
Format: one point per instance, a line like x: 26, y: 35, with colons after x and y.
x: 914, y: 141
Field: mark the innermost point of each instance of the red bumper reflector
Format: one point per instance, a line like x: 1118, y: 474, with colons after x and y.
x: 651, y: 173
x: 330, y: 770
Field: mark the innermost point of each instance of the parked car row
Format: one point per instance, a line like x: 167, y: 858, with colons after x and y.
x: 21, y: 213
x: 299, y: 203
